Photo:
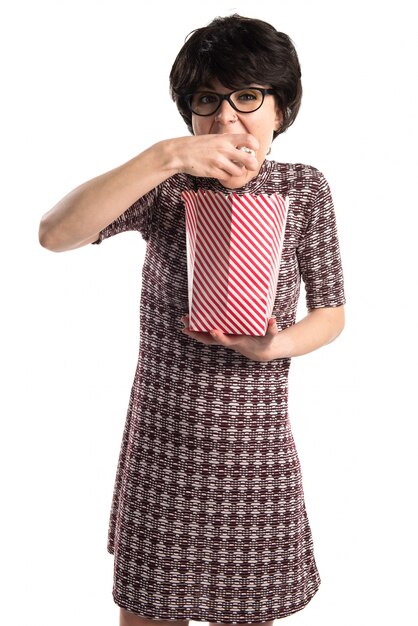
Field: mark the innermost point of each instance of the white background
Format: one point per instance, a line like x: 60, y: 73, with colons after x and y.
x: 85, y: 88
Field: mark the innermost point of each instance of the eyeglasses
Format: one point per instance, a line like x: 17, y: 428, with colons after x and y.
x: 242, y: 100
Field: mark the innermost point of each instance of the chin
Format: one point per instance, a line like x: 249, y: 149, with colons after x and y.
x: 235, y: 182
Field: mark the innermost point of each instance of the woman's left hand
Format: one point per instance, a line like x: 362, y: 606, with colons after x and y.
x: 255, y: 348
x: 319, y: 327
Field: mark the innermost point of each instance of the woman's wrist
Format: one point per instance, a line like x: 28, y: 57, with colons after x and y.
x: 282, y: 345
x: 168, y: 155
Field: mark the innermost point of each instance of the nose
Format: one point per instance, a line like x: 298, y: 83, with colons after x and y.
x: 226, y: 114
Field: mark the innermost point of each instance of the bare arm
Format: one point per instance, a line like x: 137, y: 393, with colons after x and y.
x: 77, y: 219
x: 318, y: 328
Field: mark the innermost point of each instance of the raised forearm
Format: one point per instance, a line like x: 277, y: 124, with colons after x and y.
x: 85, y: 211
x: 318, y: 328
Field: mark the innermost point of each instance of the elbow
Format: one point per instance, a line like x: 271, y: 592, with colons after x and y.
x: 44, y: 236
x: 57, y: 239
x: 331, y: 320
x: 338, y: 321
x: 47, y: 238
x: 342, y: 318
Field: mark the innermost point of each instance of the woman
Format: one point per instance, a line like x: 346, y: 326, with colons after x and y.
x: 208, y: 520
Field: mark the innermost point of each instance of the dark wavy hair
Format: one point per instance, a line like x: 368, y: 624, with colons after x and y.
x: 238, y: 51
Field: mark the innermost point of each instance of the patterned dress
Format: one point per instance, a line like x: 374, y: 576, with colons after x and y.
x: 208, y: 519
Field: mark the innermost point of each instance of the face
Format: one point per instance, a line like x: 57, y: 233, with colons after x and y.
x: 261, y: 124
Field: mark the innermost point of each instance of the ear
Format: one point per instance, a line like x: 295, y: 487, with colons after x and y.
x: 278, y: 120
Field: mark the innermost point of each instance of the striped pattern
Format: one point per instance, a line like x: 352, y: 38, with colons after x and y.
x: 234, y: 245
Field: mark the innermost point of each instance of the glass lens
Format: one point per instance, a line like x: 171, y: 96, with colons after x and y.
x: 204, y: 102
x: 244, y: 100
x: 247, y: 100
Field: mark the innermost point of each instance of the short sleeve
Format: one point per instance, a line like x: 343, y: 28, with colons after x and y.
x: 137, y: 217
x: 319, y: 252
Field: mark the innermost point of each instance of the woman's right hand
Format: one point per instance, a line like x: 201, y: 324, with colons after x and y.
x: 215, y: 156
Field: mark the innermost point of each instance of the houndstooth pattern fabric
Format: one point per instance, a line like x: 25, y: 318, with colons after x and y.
x: 208, y: 519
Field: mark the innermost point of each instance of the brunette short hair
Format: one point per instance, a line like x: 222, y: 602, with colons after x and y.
x: 238, y: 51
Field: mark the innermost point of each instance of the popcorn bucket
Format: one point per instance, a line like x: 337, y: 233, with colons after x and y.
x: 234, y: 246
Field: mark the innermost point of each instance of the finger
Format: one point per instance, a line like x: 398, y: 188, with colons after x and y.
x: 223, y: 339
x: 232, y: 166
x: 184, y: 319
x: 216, y: 334
x: 245, y: 139
x: 272, y: 326
x: 249, y: 158
x: 205, y: 338
x: 251, y: 163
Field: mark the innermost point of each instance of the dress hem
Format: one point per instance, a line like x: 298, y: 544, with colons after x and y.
x: 216, y: 618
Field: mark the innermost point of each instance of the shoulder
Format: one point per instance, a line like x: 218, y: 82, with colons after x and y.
x: 301, y: 182
x: 297, y: 173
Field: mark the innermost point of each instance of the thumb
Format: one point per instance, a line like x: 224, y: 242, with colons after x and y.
x: 220, y: 337
x: 272, y: 327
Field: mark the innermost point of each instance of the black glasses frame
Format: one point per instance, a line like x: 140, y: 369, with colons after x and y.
x: 227, y: 96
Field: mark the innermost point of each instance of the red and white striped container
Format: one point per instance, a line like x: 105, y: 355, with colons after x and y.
x: 234, y: 246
